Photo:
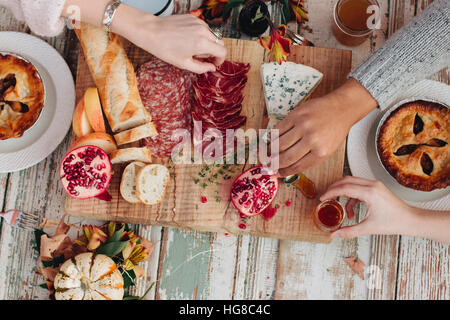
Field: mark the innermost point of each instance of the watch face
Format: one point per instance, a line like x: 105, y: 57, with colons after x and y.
x: 156, y: 7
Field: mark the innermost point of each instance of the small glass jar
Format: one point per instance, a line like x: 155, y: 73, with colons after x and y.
x: 343, y: 30
x: 329, y: 215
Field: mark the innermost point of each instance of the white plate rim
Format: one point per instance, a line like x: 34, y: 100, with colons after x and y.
x: 48, y: 58
x: 360, y: 138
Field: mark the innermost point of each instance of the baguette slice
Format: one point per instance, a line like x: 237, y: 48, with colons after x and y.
x: 151, y: 183
x: 131, y: 154
x: 135, y: 134
x: 128, y: 182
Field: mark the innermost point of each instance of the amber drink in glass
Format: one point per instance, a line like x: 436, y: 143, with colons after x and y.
x: 329, y: 215
x: 352, y: 21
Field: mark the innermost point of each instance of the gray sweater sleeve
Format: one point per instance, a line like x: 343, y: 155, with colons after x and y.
x: 413, y: 53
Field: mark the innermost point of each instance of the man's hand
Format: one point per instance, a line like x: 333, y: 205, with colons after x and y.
x: 316, y: 128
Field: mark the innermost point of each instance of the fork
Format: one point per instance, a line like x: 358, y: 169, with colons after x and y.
x: 21, y: 220
x: 298, y: 39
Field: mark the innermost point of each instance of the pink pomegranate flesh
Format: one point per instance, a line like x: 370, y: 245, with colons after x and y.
x: 86, y: 173
x: 253, y: 191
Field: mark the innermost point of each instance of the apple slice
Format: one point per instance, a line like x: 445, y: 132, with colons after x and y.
x: 80, y: 122
x: 97, y: 139
x: 93, y: 110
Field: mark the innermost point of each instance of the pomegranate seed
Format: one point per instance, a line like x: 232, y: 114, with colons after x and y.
x: 204, y: 200
x: 242, y: 226
x: 288, y: 203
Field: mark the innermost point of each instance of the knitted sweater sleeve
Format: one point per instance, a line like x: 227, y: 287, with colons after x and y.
x: 416, y: 51
x: 42, y: 16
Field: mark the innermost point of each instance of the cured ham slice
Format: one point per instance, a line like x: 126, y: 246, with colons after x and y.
x: 232, y: 69
x: 217, y: 100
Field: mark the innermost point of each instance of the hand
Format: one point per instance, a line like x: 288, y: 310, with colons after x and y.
x: 386, y: 214
x: 316, y: 128
x: 182, y: 40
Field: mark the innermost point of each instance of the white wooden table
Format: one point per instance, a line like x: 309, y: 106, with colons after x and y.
x: 200, y: 265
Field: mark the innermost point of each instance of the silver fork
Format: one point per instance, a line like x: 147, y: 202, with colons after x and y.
x: 21, y: 220
x: 298, y: 39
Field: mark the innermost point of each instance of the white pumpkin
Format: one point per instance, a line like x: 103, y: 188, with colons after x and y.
x: 89, y: 276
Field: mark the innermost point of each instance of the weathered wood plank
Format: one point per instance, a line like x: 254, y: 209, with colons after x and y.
x: 423, y: 270
x: 313, y: 271
x: 256, y: 268
x: 185, y: 270
x: 424, y: 265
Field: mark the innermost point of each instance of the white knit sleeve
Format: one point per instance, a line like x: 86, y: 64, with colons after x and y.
x: 44, y: 16
x: 418, y: 50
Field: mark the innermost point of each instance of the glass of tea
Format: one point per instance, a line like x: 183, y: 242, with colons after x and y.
x: 353, y: 20
x: 329, y: 215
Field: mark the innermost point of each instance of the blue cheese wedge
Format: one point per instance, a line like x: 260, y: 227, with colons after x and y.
x: 285, y: 86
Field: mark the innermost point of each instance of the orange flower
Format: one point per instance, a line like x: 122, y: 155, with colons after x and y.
x: 198, y: 13
x: 277, y: 44
x: 298, y: 9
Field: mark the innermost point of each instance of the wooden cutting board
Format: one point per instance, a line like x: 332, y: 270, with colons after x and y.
x: 182, y: 206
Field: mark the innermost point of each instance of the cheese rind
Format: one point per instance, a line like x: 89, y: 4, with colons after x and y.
x: 285, y: 86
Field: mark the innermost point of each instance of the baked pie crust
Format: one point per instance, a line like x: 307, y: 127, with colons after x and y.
x: 413, y: 145
x: 21, y: 96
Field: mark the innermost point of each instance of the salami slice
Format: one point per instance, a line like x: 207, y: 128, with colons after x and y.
x: 166, y: 95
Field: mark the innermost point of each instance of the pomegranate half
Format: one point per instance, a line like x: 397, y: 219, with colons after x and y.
x: 86, y: 173
x: 253, y: 191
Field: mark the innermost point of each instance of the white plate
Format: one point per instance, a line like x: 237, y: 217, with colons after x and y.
x: 56, y: 117
x: 363, y: 159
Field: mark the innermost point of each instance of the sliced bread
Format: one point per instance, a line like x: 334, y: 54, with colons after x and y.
x: 135, y: 134
x: 128, y: 183
x: 151, y: 183
x: 131, y: 154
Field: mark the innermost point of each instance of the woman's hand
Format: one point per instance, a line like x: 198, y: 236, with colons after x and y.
x: 316, y: 128
x: 386, y: 214
x: 182, y: 40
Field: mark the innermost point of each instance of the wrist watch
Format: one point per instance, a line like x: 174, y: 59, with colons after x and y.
x: 109, y: 14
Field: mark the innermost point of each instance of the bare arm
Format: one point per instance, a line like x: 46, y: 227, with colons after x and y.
x: 434, y: 225
x: 386, y: 214
x: 160, y: 36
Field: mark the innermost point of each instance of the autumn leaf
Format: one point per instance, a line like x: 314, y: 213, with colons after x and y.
x: 356, y: 265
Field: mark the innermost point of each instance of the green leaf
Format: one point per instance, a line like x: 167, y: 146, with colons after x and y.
x: 111, y: 249
x: 38, y: 233
x: 147, y: 291
x: 230, y: 5
x: 43, y: 285
x: 128, y: 278
x: 129, y: 298
x: 117, y: 235
x: 286, y: 15
x: 55, y: 262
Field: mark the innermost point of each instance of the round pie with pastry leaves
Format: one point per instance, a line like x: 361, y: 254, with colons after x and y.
x: 413, y: 145
x: 21, y: 96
